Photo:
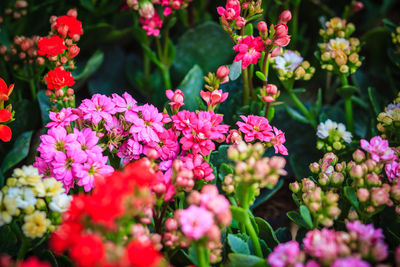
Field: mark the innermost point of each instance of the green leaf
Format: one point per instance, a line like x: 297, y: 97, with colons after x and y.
x: 374, y: 100
x: 283, y: 234
x: 2, y: 179
x: 306, y: 215
x: 261, y: 263
x: 19, y: 151
x: 235, y: 70
x: 260, y: 76
x: 192, y: 255
x: 207, y: 45
x: 318, y: 103
x: 248, y: 29
x: 271, y: 114
x: 267, y: 194
x: 350, y: 194
x: 238, y: 245
x: 241, y: 260
x: 92, y: 65
x: 48, y: 256
x: 238, y: 214
x: 87, y: 4
x: 8, y: 240
x: 346, y: 91
x: 295, y: 217
x: 224, y: 170
x: 267, y: 233
x: 295, y: 114
x: 45, y: 106
x: 299, y: 90
x: 191, y: 86
x: 218, y: 157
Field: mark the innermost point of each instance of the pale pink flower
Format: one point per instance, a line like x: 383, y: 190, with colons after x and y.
x: 255, y: 127
x: 321, y: 244
x: 350, y: 261
x: 278, y: 140
x: 176, y: 98
x: 124, y: 103
x: 285, y: 254
x: 249, y: 49
x: 62, y: 118
x: 392, y: 170
x: 213, y: 98
x: 195, y: 221
x: 97, y: 108
x: 201, y: 169
x: 379, y: 149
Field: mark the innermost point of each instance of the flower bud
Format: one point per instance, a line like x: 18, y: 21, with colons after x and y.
x: 72, y: 13
x: 271, y: 89
x: 331, y: 197
x: 262, y: 27
x: 294, y: 187
x: 171, y: 224
x: 356, y: 172
x: 362, y: 194
x: 240, y: 22
x: 285, y: 16
x: 222, y: 73
x: 373, y: 179
x: 337, y: 178
x: 314, y: 167
x: 352, y: 215
x: 379, y: 196
x: 73, y: 51
x: 357, y: 6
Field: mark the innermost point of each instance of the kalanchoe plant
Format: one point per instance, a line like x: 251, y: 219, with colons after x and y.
x: 332, y: 136
x: 6, y: 114
x: 389, y: 121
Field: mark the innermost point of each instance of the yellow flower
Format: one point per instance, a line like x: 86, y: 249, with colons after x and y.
x: 10, y: 205
x: 48, y: 187
x: 36, y: 224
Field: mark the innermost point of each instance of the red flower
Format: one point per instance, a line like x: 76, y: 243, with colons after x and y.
x: 142, y: 254
x: 58, y: 78
x: 5, y: 131
x: 33, y: 262
x: 88, y: 251
x: 5, y: 91
x: 140, y: 173
x: 74, y: 25
x: 51, y: 46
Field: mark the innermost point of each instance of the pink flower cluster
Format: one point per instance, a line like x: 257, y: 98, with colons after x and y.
x: 258, y: 128
x: 361, y: 243
x: 249, y: 50
x: 231, y: 13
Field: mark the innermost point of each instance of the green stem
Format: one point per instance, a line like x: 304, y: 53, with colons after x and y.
x: 348, y: 106
x: 295, y: 24
x: 246, y: 88
x: 202, y: 259
x: 166, y: 77
x: 302, y: 108
x: 32, y: 83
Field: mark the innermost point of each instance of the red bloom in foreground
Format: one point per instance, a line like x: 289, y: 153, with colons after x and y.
x: 33, y: 262
x: 142, y: 254
x: 5, y: 131
x: 74, y: 25
x: 51, y: 46
x: 58, y: 78
x: 89, y: 251
x: 5, y: 91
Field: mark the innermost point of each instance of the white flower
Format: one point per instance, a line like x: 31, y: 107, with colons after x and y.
x: 60, y: 203
x: 338, y: 44
x: 24, y: 197
x: 289, y: 61
x: 341, y: 130
x: 324, y: 128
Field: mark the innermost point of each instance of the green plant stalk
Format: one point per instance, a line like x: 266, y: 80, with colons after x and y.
x: 295, y: 24
x: 301, y: 106
x: 246, y: 88
x: 32, y: 84
x: 202, y: 256
x: 164, y: 67
x: 265, y: 70
x: 348, y: 105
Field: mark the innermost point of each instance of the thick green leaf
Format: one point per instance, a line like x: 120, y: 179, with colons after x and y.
x: 374, y: 100
x: 45, y: 106
x: 318, y: 103
x: 306, y: 215
x: 260, y: 76
x: 271, y: 114
x: 224, y: 170
x: 295, y: 114
x: 248, y: 30
x: 346, y: 91
x: 267, y: 233
x: 92, y: 65
x: 283, y: 234
x: 238, y: 214
x: 296, y: 218
x: 219, y: 156
x: 19, y: 151
x: 207, y: 45
x: 8, y: 240
x: 267, y: 194
x: 235, y: 70
x: 350, y: 194
x: 48, y: 256
x: 242, y: 260
x: 238, y: 245
x: 191, y: 86
x: 299, y: 90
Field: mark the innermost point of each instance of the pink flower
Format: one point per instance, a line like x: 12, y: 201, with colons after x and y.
x: 62, y: 118
x: 56, y: 140
x: 285, y: 16
x: 234, y: 137
x: 87, y: 141
x: 213, y: 98
x: 129, y: 150
x: 146, y: 123
x: 217, y: 129
x: 213, y: 201
x: 321, y: 244
x: 152, y: 25
x: 201, y: 169
x: 231, y: 10
x: 168, y: 147
x: 176, y: 98
x: 350, y: 261
x: 184, y: 120
x: 392, y: 170
x: 255, y: 127
x: 365, y: 232
x: 281, y: 37
x: 43, y: 167
x: 97, y: 108
x: 222, y: 74
x: 124, y: 103
x: 379, y: 149
x: 198, y: 140
x: 278, y: 140
x: 65, y: 166
x: 195, y: 221
x: 285, y: 254
x: 249, y: 49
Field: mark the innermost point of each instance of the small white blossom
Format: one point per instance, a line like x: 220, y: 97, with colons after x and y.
x: 331, y: 128
x: 24, y: 197
x: 289, y: 61
x: 338, y: 44
x: 60, y: 203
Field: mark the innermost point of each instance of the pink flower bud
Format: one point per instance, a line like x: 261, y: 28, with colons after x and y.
x: 20, y: 4
x: 63, y: 30
x: 294, y: 187
x: 210, y: 189
x: 3, y: 49
x: 379, y: 196
x: 194, y: 198
x: 358, y: 156
x: 362, y: 194
x: 176, y: 5
x: 276, y: 51
x: 177, y: 165
x: 268, y: 99
x: 73, y: 51
x: 22, y: 55
x: 146, y: 10
x: 72, y: 13
x: 262, y: 27
x: 171, y: 224
x: 356, y: 172
x: 314, y: 167
x: 271, y: 89
x: 76, y: 37
x: 64, y: 60
x: 222, y: 73
x: 48, y: 93
x: 40, y: 61
x: 281, y: 31
x: 240, y: 22
x: 176, y: 98
x: 25, y: 45
x: 357, y: 6
x: 373, y: 179
x: 152, y: 154
x: 285, y: 16
x: 214, y: 233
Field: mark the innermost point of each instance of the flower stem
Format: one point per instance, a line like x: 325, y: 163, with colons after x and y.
x: 348, y: 106
x: 246, y: 88
x: 202, y: 257
x: 302, y: 108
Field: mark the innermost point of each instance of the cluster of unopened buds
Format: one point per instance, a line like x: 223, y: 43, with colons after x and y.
x: 59, y: 48
x: 360, y: 245
x: 269, y: 93
x: 23, y: 50
x: 251, y: 169
x: 201, y: 222
x: 17, y: 11
x: 36, y: 202
x: 389, y: 120
x: 322, y: 204
x: 290, y: 65
x: 6, y: 113
x: 332, y: 136
x: 396, y: 38
x: 150, y: 19
x: 215, y: 96
x: 232, y: 15
x: 339, y: 51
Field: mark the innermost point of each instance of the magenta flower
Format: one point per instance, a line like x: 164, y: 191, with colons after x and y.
x: 129, y: 150
x: 321, y: 244
x: 379, y: 149
x: 255, y: 127
x: 201, y: 169
x: 217, y: 130
x: 97, y: 108
x: 146, y: 123
x: 198, y: 140
x: 184, y: 120
x: 56, y: 139
x: 249, y: 49
x: 43, y: 167
x: 168, y: 147
x: 285, y: 254
x: 195, y: 221
x: 392, y: 170
x: 87, y: 140
x: 231, y: 10
x: 278, y: 140
x: 176, y: 98
x: 124, y: 103
x: 350, y: 261
x: 65, y: 166
x: 62, y: 118
x: 152, y: 25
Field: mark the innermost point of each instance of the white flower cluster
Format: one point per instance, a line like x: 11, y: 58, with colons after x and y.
x: 333, y: 135
x: 40, y: 201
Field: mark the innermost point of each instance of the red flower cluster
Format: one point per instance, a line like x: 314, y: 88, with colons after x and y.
x: 68, y: 25
x: 51, y: 46
x: 59, y: 78
x: 122, y: 195
x: 5, y: 113
x: 6, y: 261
